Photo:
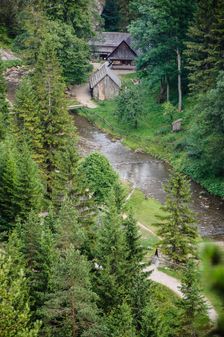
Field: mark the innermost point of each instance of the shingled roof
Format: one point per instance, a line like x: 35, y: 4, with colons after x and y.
x: 106, y: 42
x: 122, y: 52
x: 101, y: 73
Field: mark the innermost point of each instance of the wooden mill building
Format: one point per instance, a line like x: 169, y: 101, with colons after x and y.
x: 122, y: 57
x: 103, y: 44
x: 104, y: 83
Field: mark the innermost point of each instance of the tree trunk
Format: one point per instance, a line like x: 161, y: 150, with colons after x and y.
x: 180, y: 98
x: 167, y: 89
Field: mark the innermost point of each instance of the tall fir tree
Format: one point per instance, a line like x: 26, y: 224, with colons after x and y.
x: 9, y: 187
x: 200, y: 44
x: 177, y: 227
x: 71, y: 306
x: 21, y: 189
x: 30, y: 187
x: 27, y: 119
x: 120, y: 322
x: 57, y: 125
x: 111, y: 260
x: 15, y: 318
x: 37, y: 248
x: 193, y: 308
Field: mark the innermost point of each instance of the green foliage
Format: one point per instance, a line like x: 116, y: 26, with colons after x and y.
x: 169, y: 112
x: 111, y: 15
x: 214, y: 275
x: 117, y: 15
x: 120, y: 322
x: 72, y: 50
x: 110, y: 257
x: 56, y: 123
x: 37, y: 248
x: 21, y: 189
x: 100, y: 178
x: 81, y: 15
x: 177, y: 227
x: 129, y: 106
x: 193, y: 308
x: 160, y: 31
x: 204, y: 46
x: 27, y: 119
x: 207, y: 133
x: 71, y: 307
x: 15, y: 318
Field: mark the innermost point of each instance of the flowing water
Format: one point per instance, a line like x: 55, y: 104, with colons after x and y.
x: 147, y: 173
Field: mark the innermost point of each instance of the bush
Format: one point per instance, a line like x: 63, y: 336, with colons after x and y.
x: 100, y: 178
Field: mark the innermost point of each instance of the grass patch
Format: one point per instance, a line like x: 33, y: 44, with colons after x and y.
x: 145, y: 209
x: 12, y: 63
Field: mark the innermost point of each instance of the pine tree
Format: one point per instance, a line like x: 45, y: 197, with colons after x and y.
x: 15, y: 318
x: 135, y: 249
x: 216, y: 47
x: 38, y: 251
x: 193, y: 316
x: 139, y: 285
x: 111, y: 260
x: 120, y: 322
x: 200, y: 45
x: 21, y: 189
x: 56, y: 122
x: 9, y: 187
x: 27, y: 119
x: 30, y: 186
x: 71, y: 307
x: 69, y: 231
x: 177, y: 227
x: 65, y: 177
x: 3, y: 104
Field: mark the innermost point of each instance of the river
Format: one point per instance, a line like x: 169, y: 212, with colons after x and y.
x: 148, y: 174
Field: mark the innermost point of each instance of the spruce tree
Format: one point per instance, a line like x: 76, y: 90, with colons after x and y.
x: 56, y: 123
x: 205, y: 45
x: 193, y: 308
x: 71, y: 306
x: 120, y: 322
x: 111, y: 260
x: 177, y: 227
x: 27, y: 119
x: 15, y: 318
x: 38, y: 251
x: 30, y: 186
x: 9, y: 187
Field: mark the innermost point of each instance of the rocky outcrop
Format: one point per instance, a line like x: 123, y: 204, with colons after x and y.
x: 7, y: 55
x: 100, y: 5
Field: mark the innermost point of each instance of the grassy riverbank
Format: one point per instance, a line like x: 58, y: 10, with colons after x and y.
x: 154, y: 135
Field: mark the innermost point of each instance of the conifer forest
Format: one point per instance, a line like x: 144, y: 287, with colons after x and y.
x: 111, y: 168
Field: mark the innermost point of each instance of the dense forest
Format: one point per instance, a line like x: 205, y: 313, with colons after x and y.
x: 72, y: 261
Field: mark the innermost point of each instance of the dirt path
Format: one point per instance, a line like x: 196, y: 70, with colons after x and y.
x: 174, y: 285
x: 83, y: 96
